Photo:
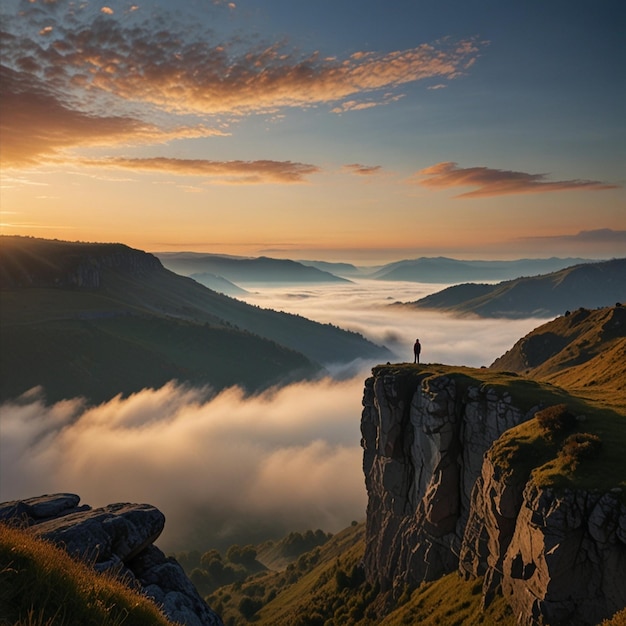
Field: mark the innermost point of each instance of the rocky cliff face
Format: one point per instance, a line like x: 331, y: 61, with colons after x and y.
x: 438, y: 503
x: 74, y: 265
x: 118, y: 538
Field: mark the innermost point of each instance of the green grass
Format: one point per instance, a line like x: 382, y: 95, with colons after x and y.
x: 449, y: 601
x: 326, y: 588
x: 529, y: 450
x: 41, y: 585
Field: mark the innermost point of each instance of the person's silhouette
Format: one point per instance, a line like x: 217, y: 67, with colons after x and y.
x: 417, y: 348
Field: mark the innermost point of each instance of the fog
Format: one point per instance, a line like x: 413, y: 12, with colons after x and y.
x: 233, y: 468
x: 364, y: 306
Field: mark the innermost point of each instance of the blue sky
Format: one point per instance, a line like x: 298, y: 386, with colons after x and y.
x: 363, y: 130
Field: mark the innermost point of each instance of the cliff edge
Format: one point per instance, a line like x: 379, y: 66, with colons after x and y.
x: 463, y: 475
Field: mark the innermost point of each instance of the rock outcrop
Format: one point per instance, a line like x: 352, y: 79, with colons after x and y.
x: 117, y: 537
x: 438, y: 503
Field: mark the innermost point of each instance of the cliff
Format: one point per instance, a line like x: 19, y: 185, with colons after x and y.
x: 460, y: 478
x: 70, y: 265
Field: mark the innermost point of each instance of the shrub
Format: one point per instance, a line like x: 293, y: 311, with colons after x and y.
x: 556, y: 419
x: 249, y: 606
x: 580, y: 446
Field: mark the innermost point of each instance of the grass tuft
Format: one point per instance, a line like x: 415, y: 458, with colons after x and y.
x: 41, y: 585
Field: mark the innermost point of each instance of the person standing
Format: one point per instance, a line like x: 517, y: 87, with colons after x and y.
x: 417, y: 348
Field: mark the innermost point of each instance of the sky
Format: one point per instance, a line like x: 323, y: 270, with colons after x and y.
x: 352, y: 130
x: 233, y: 468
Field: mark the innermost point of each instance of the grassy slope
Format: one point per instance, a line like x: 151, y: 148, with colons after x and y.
x: 584, y: 352
x: 586, y: 285
x: 324, y: 588
x: 41, y: 585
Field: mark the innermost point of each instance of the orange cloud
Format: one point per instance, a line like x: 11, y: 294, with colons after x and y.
x: 179, y: 74
x: 36, y: 125
x: 263, y: 171
x: 494, y: 182
x: 362, y: 170
x: 211, y: 81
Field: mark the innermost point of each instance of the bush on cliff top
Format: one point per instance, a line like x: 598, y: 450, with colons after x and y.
x: 41, y: 585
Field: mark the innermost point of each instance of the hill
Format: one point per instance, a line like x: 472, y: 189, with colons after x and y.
x: 102, y: 319
x: 338, y: 269
x: 446, y: 270
x: 219, y: 284
x: 246, y: 270
x: 587, y: 285
x: 583, y: 352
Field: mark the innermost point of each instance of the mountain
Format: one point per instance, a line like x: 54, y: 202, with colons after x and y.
x: 446, y: 270
x: 587, y: 285
x: 246, y: 270
x: 583, y: 351
x: 219, y: 284
x: 101, y: 319
x: 338, y: 269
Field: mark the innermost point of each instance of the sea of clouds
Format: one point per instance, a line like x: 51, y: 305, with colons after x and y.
x: 233, y: 468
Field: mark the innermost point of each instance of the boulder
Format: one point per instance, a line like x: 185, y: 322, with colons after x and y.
x: 117, y: 538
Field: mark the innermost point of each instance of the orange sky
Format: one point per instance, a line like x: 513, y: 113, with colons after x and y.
x: 234, y: 129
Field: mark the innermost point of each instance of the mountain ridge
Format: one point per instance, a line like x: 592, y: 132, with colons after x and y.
x: 587, y: 285
x: 447, y: 270
x: 247, y: 270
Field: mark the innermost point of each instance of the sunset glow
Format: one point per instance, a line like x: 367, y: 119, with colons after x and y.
x: 366, y: 131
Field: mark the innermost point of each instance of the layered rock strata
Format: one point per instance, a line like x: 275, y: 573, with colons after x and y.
x: 119, y: 538
x: 438, y: 503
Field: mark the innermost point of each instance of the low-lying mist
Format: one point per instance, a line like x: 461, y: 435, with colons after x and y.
x: 233, y: 468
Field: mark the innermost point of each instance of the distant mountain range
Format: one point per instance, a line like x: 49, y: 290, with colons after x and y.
x: 587, y: 285
x: 445, y: 270
x: 251, y: 270
x: 245, y: 270
x: 101, y: 319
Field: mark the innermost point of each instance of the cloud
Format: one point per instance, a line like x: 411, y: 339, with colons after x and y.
x: 495, y: 182
x: 181, y: 70
x: 362, y: 170
x: 263, y: 171
x: 37, y: 125
x: 75, y: 77
x: 361, y: 105
x: 586, y: 236
x: 226, y: 467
